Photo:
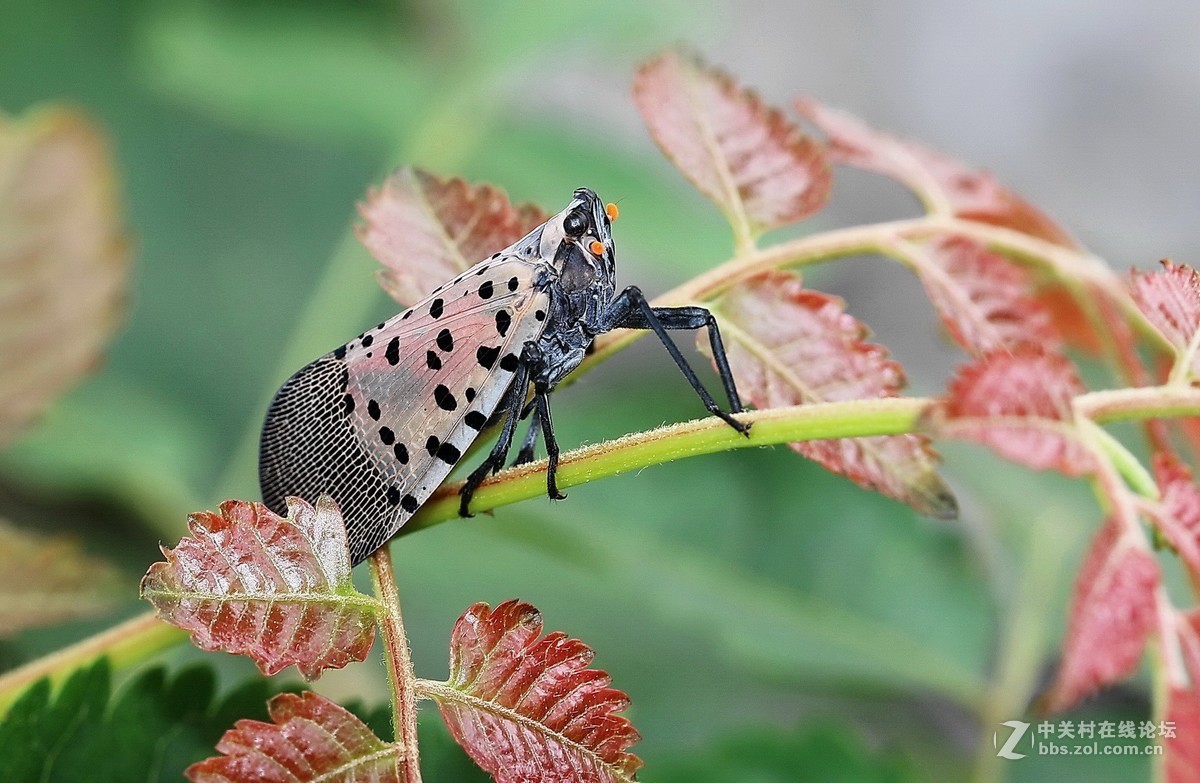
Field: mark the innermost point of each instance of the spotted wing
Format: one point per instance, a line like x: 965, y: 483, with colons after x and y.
x: 379, y: 423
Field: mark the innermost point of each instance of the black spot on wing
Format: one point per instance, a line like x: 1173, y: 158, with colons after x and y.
x: 409, y: 503
x: 444, y: 398
x: 475, y: 420
x: 448, y: 453
x: 487, y: 355
x: 512, y: 284
x: 435, y: 308
x: 445, y: 340
x: 401, y: 452
x: 373, y: 409
x: 470, y: 394
x: 367, y: 340
x: 393, y: 351
x: 339, y: 352
x: 509, y: 362
x: 486, y: 290
x: 433, y: 361
x: 393, y: 496
x: 503, y: 321
x: 387, y: 436
x: 432, y: 445
x: 348, y: 404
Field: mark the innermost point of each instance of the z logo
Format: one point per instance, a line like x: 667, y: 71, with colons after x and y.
x: 1006, y: 751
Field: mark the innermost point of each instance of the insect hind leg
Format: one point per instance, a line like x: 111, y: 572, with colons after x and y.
x: 527, y: 452
x: 541, y: 401
x: 630, y: 310
x: 510, y: 405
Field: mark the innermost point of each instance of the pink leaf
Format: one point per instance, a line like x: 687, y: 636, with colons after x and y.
x: 1183, y: 750
x: 985, y: 301
x: 1019, y: 404
x: 311, y: 739
x: 1113, y: 611
x: 1177, y: 512
x: 1170, y: 298
x: 743, y: 154
x: 64, y: 259
x: 426, y: 229
x: 789, y: 345
x: 47, y: 580
x: 1183, y: 705
x: 529, y: 709
x: 941, y: 182
x: 277, y: 589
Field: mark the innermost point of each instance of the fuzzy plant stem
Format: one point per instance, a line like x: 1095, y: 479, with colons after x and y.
x: 399, y: 664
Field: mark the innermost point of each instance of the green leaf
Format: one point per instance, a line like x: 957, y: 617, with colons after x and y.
x: 315, y: 75
x: 888, y: 631
x: 815, y: 754
x: 150, y: 730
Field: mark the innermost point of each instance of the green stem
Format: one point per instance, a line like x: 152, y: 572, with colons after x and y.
x: 1145, y: 402
x: 126, y: 644
x: 1126, y: 464
x: 399, y: 663
x: 1065, y: 263
x: 857, y: 418
x: 136, y: 640
x: 1022, y: 639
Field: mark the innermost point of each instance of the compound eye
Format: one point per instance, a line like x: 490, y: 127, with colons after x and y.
x: 575, y: 223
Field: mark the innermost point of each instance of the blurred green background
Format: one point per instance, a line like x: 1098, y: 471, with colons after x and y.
x: 770, y: 621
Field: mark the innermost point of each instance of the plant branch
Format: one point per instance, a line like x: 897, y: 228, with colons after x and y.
x: 1065, y: 263
x: 128, y: 643
x: 857, y: 418
x: 399, y: 663
x: 1146, y: 402
x: 134, y: 641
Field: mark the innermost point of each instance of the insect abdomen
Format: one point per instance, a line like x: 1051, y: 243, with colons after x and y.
x: 309, y: 446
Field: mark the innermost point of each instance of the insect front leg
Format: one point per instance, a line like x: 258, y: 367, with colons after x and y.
x: 513, y: 401
x: 630, y: 310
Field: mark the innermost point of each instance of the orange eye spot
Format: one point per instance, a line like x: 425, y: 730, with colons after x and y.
x: 611, y: 210
x: 597, y: 247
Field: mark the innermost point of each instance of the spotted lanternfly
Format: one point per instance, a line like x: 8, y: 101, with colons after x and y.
x: 380, y: 422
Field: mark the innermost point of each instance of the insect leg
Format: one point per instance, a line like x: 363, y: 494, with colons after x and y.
x: 513, y: 400
x: 526, y: 452
x: 630, y: 310
x: 694, y: 318
x: 541, y: 400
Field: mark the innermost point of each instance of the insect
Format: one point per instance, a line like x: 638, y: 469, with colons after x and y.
x: 380, y: 422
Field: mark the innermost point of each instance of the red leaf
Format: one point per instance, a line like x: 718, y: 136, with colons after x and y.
x: 758, y: 167
x: 789, y: 345
x: 984, y: 300
x: 941, y: 182
x: 1112, y: 613
x: 64, y: 259
x: 1177, y: 512
x: 529, y: 709
x: 277, y: 589
x: 1019, y: 404
x: 1170, y: 298
x: 311, y: 739
x: 1068, y: 317
x: 48, y: 580
x: 426, y: 229
x: 1183, y: 750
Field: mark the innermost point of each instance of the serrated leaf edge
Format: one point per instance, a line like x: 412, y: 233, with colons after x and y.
x: 441, y: 691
